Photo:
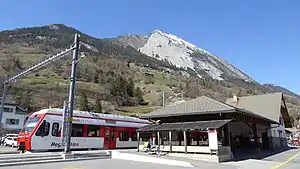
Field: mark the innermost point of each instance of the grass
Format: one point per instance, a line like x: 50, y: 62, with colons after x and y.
x: 139, y: 109
x: 42, y: 81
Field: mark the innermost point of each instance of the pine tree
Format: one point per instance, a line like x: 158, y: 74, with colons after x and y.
x: 138, y: 94
x: 27, y: 102
x: 98, y: 105
x: 130, y: 88
x: 83, y: 102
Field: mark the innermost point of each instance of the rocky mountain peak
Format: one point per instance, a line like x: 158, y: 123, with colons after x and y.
x: 170, y: 48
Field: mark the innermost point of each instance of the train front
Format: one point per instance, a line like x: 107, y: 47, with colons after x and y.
x: 25, y: 135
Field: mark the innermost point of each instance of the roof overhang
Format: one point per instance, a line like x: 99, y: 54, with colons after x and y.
x: 286, y: 116
x: 185, y: 126
x: 187, y: 114
x: 251, y: 114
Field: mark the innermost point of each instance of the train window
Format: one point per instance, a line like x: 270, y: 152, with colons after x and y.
x: 93, y: 131
x: 124, y: 136
x: 55, y: 128
x: 77, y: 130
x: 134, y: 136
x: 46, y: 132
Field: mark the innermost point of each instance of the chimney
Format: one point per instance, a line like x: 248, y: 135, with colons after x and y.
x: 236, y: 99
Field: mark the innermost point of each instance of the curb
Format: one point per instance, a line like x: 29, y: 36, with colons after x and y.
x: 9, y: 153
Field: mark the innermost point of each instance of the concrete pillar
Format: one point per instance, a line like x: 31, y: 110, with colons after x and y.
x: 185, y: 142
x: 138, y: 139
x: 170, y: 140
x: 158, y: 138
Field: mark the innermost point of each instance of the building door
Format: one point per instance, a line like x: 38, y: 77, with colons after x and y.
x: 110, y: 138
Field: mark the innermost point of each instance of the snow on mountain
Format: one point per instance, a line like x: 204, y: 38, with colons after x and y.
x: 170, y: 48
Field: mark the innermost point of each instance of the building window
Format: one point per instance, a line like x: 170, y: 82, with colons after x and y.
x: 124, y: 136
x: 9, y: 110
x: 55, y: 128
x: 93, y: 131
x: 77, y: 130
x: 134, y: 136
x: 12, y: 121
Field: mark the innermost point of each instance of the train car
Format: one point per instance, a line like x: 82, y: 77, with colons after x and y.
x: 43, y: 131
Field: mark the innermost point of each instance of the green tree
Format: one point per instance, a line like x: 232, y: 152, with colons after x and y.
x: 119, y: 86
x: 27, y: 102
x: 83, y: 102
x: 98, y: 105
x: 138, y: 94
x: 130, y: 88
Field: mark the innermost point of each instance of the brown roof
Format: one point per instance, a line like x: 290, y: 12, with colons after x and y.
x: 267, y: 105
x: 200, y: 105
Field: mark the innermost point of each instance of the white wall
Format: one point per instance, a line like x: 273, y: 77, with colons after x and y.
x: 274, y: 132
x: 12, y: 115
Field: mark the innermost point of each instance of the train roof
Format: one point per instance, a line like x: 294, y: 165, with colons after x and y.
x: 92, y: 115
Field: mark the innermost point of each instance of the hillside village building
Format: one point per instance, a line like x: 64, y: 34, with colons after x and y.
x: 205, y: 126
x: 14, y: 117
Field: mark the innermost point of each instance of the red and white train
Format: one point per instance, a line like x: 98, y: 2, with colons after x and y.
x: 42, y: 131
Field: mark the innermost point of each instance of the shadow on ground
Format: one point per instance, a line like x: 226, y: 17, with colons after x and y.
x: 263, y: 154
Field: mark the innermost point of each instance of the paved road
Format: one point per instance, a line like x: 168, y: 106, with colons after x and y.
x: 96, y: 164
x: 285, y: 160
x: 293, y: 162
x: 7, y: 149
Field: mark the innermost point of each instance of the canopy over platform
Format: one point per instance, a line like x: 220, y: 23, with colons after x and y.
x: 184, y: 126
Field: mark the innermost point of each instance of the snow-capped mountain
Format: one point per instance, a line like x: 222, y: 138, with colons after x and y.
x: 178, y: 52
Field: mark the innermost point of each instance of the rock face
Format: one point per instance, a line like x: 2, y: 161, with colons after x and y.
x: 135, y: 41
x: 178, y: 52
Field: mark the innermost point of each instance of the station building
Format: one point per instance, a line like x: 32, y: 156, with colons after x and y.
x: 206, y: 128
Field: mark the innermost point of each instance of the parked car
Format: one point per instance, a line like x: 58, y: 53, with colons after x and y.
x: 11, y: 141
x: 7, y: 135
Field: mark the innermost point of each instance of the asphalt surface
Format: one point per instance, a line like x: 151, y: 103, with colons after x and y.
x: 96, y: 164
x: 285, y: 160
x: 7, y: 149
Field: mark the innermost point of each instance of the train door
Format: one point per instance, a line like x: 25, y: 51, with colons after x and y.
x: 110, y: 138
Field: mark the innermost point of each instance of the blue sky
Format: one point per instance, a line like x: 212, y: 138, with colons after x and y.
x: 261, y: 38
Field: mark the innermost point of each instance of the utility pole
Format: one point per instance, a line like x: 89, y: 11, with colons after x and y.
x: 3, y: 102
x: 35, y: 67
x: 64, y: 124
x: 71, y: 93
